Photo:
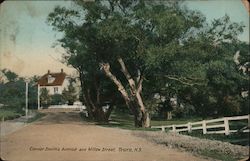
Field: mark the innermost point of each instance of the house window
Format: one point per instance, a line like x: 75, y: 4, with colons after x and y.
x: 50, y: 79
x: 55, y: 90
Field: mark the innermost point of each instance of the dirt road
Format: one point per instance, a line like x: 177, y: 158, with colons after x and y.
x: 63, y: 136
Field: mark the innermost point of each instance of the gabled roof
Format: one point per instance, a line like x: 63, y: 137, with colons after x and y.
x: 58, y: 81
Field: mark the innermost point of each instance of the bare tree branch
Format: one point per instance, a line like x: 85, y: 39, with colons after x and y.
x: 127, y: 75
x: 139, y: 87
x: 106, y: 68
x: 138, y: 75
x: 182, y: 80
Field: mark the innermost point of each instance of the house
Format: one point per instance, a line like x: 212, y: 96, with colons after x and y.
x: 54, y: 82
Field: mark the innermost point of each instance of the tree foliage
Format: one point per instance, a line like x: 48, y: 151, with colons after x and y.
x: 160, y: 46
x: 13, y: 90
x: 69, y: 94
x: 11, y: 76
x: 45, y: 98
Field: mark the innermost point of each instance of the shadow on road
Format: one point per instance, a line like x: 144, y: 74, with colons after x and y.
x: 61, y: 117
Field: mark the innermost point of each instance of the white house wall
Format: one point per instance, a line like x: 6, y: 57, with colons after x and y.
x: 51, y: 89
x: 65, y: 85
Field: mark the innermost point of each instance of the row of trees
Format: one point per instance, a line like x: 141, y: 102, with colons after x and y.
x: 12, y: 91
x: 138, y: 48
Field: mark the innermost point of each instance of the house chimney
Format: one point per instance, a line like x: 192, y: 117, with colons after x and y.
x: 62, y: 70
x: 48, y: 71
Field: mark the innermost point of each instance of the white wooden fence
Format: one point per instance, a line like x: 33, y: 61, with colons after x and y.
x: 207, y: 124
x: 67, y: 107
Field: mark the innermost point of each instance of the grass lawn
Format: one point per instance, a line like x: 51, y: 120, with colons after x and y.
x: 36, y: 117
x: 159, y: 122
x: 124, y: 120
x: 234, y: 138
x: 219, y: 156
x: 9, y: 114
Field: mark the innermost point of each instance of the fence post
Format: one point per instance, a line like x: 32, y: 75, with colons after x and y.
x: 226, y: 123
x: 162, y: 129
x: 174, y: 128
x: 204, y: 127
x: 189, y: 126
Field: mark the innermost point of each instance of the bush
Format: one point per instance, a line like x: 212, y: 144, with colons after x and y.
x: 57, y: 99
x: 10, y: 113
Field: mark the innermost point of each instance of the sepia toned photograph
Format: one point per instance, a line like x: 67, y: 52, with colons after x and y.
x: 124, y: 80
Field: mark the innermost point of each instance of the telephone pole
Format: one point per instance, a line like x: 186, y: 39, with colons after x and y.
x: 26, y: 98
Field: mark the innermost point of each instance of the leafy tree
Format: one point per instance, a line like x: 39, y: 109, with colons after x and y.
x: 57, y: 99
x: 219, y: 95
x: 13, y: 91
x: 116, y: 34
x: 202, y: 71
x: 69, y: 94
x: 12, y: 95
x: 45, y: 98
x: 33, y: 92
x: 133, y: 41
x: 11, y: 76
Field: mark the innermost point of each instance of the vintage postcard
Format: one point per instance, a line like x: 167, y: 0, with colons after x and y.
x: 124, y: 80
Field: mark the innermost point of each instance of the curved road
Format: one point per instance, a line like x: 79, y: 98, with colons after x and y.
x: 63, y: 136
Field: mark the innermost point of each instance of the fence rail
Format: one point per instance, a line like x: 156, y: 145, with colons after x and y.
x: 207, y: 124
x: 67, y: 107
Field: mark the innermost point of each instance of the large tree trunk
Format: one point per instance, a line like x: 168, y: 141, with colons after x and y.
x: 121, y: 89
x: 133, y: 100
x: 108, y: 113
x: 94, y: 107
x: 169, y: 115
x: 84, y: 95
x: 142, y: 118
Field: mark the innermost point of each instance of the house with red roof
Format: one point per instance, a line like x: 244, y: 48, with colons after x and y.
x: 54, y: 82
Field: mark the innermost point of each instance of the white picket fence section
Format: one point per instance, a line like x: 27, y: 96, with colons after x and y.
x: 67, y: 107
x: 205, y: 125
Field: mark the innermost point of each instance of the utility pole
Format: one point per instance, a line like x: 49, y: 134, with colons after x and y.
x: 26, y: 100
x: 38, y: 96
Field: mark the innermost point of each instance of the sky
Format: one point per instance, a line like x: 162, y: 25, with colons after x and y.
x: 26, y: 39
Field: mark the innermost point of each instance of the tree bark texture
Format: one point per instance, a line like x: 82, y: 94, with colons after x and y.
x: 94, y: 107
x: 133, y: 99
